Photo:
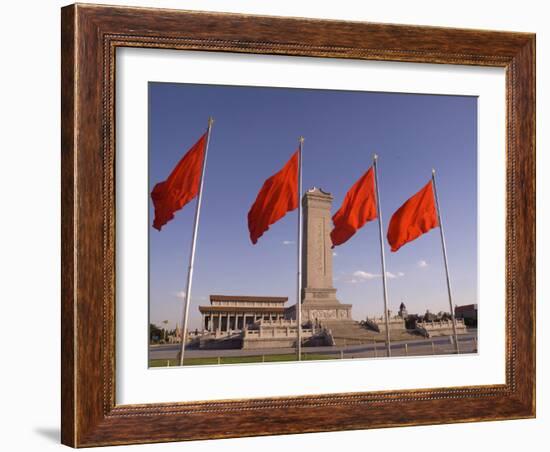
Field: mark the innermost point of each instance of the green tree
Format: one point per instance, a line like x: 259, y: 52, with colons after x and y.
x: 155, y: 333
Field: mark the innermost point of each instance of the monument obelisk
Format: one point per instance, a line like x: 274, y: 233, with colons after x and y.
x: 319, y: 300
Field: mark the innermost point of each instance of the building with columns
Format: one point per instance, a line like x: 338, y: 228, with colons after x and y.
x: 235, y: 312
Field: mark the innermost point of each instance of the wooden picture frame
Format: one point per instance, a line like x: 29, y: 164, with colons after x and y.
x: 90, y: 36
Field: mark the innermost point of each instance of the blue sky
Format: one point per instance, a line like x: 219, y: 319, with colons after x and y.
x: 255, y: 132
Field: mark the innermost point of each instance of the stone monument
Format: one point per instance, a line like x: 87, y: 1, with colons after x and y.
x: 319, y: 300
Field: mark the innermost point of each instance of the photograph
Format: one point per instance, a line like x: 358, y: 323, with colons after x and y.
x: 292, y: 224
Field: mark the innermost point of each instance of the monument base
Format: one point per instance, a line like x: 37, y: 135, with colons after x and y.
x: 326, y: 311
x: 320, y: 304
x: 321, y: 311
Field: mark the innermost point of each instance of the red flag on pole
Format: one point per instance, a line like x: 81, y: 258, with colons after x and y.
x: 181, y: 186
x: 359, y: 206
x: 415, y: 217
x: 278, y: 195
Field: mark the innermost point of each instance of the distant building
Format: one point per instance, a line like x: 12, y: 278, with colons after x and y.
x: 403, y: 311
x: 175, y: 337
x: 468, y: 313
x: 395, y: 322
x: 429, y: 316
x: 234, y: 312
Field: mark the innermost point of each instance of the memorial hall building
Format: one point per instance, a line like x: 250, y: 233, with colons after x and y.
x: 233, y: 312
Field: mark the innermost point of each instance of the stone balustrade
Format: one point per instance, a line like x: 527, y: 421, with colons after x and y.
x: 441, y: 324
x: 277, y: 331
x: 440, y: 327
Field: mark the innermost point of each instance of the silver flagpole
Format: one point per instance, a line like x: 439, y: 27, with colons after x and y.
x: 445, y: 259
x: 382, y: 256
x: 193, y: 246
x: 299, y: 274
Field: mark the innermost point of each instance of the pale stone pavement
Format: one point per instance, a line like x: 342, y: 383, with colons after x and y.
x: 441, y: 346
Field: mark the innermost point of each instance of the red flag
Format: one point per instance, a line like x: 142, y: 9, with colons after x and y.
x: 278, y: 195
x: 359, y: 206
x: 181, y: 186
x: 414, y: 218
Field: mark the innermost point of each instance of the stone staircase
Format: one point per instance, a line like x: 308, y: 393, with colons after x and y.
x: 211, y: 342
x: 350, y: 332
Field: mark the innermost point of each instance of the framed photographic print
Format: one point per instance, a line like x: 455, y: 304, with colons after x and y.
x: 281, y: 225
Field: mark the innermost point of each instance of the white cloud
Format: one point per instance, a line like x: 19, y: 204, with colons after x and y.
x: 360, y: 275
x: 365, y: 275
x: 422, y: 263
x: 288, y: 242
x: 181, y: 294
x: 334, y: 253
